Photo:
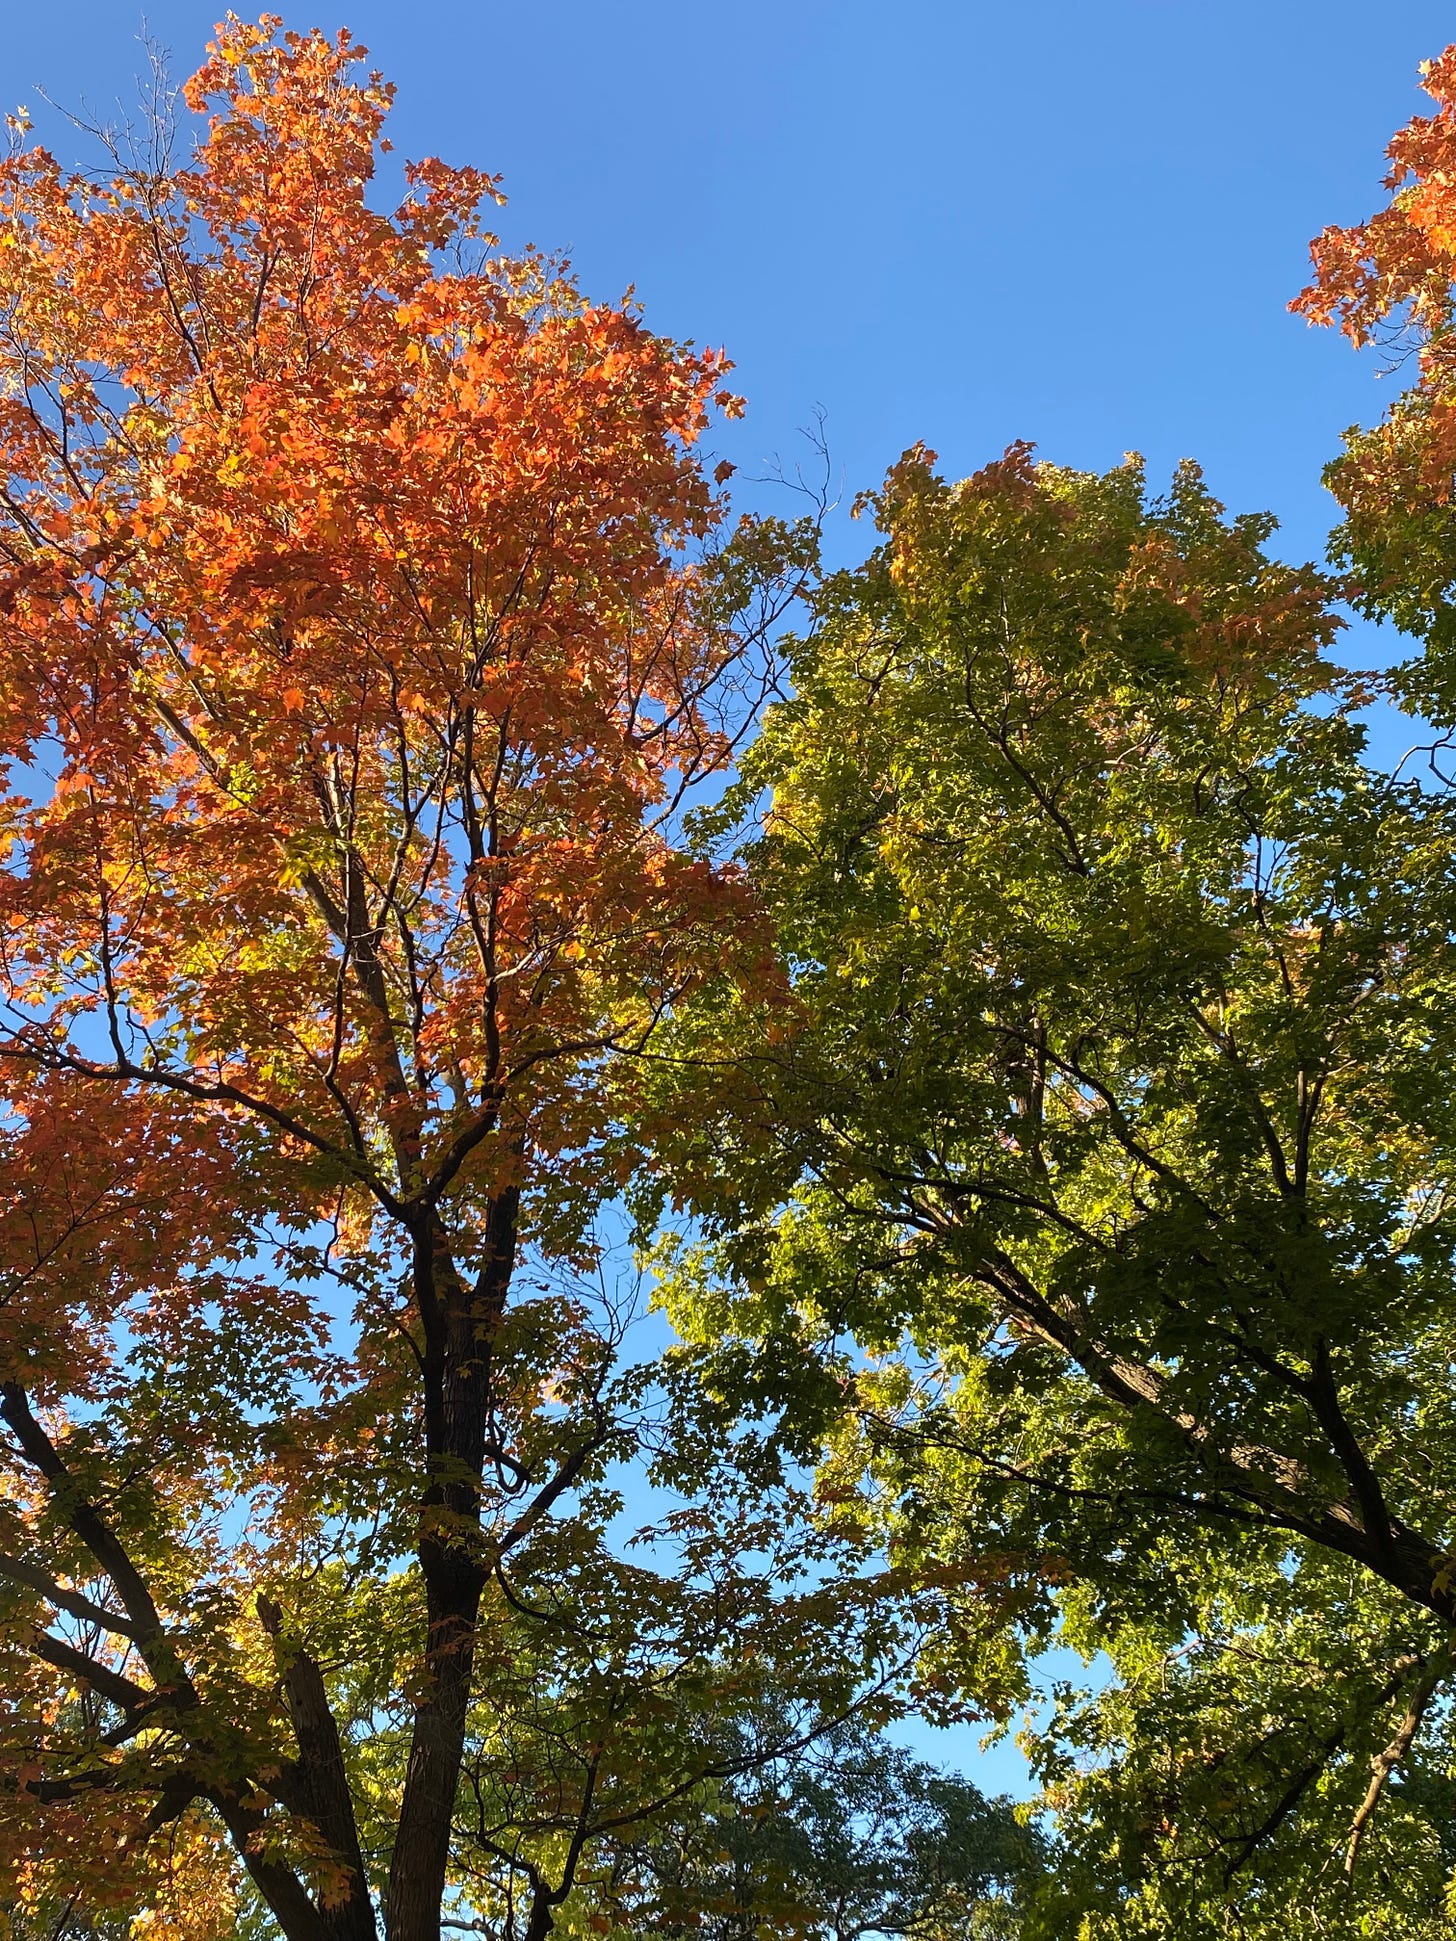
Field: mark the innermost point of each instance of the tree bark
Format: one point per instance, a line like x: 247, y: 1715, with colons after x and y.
x: 288, y: 1900
x: 459, y: 1325
x: 324, y: 1795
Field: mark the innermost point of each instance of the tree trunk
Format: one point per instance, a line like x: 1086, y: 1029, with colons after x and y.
x: 459, y: 1326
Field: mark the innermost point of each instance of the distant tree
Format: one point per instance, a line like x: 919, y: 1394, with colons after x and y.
x: 846, y: 1838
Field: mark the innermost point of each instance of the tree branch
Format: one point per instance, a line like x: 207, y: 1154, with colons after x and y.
x: 1438, y: 1668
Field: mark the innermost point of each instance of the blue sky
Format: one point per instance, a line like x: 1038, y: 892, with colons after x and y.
x: 1075, y: 221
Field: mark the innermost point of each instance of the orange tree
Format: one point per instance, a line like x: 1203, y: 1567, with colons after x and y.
x: 1388, y: 282
x: 361, y: 628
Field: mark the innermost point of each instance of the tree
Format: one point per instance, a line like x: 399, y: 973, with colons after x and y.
x: 362, y: 627
x: 1389, y: 282
x: 847, y: 1838
x: 1085, y: 1213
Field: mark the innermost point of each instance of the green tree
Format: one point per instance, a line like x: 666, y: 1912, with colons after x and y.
x: 846, y: 1837
x: 1084, y: 1211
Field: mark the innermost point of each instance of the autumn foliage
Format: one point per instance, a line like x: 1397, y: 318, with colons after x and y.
x: 1401, y: 259
x: 1390, y: 284
x: 1054, y: 1096
x: 356, y: 636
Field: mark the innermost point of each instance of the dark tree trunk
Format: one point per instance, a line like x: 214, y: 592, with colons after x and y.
x: 459, y: 1326
x: 323, y: 1783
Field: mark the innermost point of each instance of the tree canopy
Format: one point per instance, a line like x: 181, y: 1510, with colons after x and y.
x: 1086, y: 1202
x: 1388, y: 283
x: 1013, y: 1006
x: 362, y: 616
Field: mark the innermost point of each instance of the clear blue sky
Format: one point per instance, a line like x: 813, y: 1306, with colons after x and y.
x: 1076, y: 221
x: 963, y: 221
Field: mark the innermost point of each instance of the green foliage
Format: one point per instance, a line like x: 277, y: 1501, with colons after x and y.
x: 845, y: 1838
x: 1083, y: 1204
x: 619, y: 1697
